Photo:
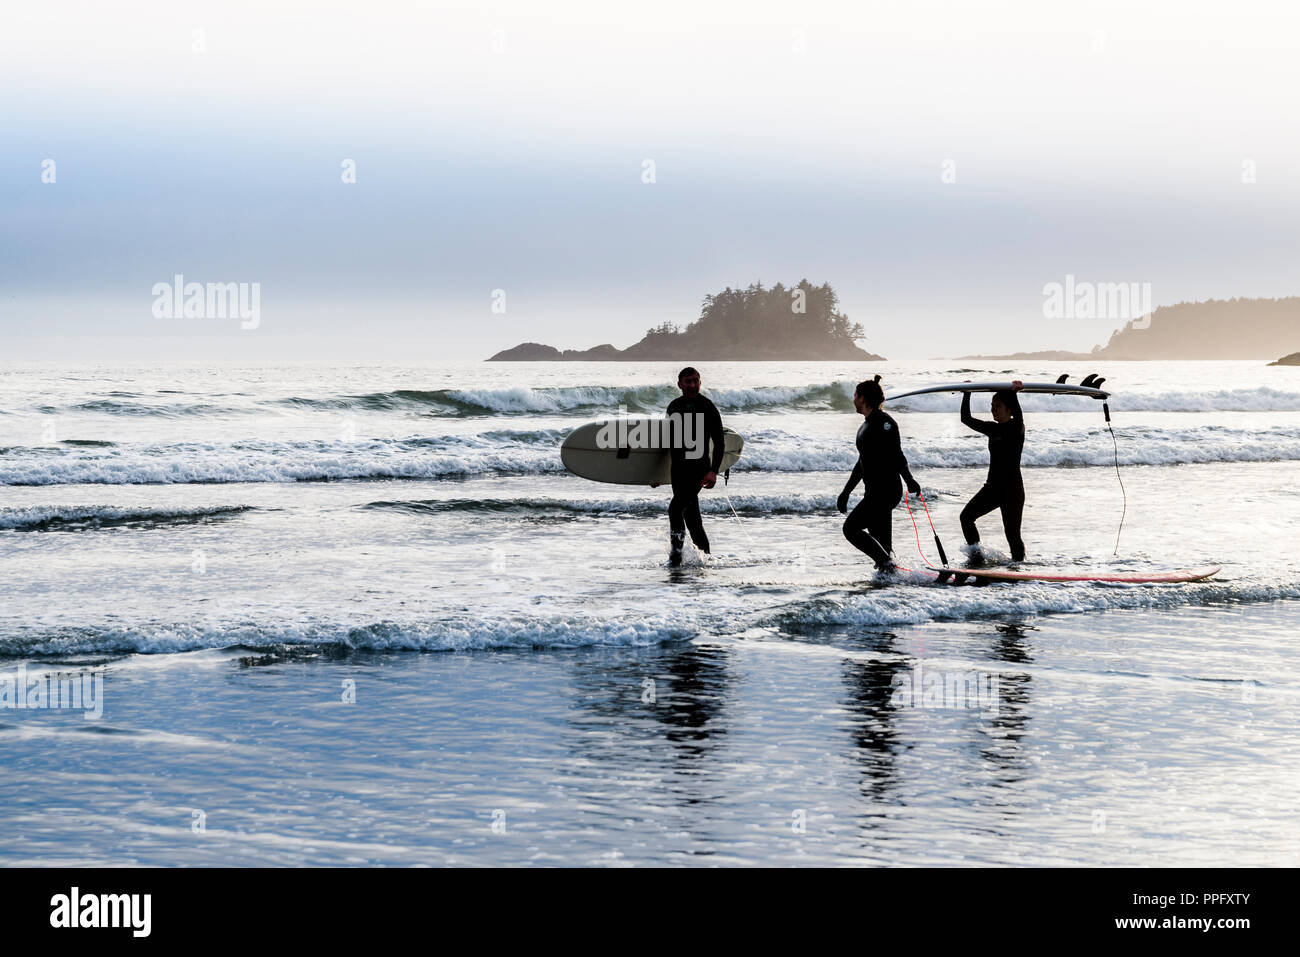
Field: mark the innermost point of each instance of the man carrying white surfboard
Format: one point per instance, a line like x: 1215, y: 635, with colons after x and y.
x: 692, y: 471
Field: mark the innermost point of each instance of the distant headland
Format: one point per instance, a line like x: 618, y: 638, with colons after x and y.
x: 1214, y: 329
x: 801, y: 322
x: 1292, y: 360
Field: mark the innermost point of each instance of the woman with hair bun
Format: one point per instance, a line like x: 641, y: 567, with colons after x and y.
x: 1004, y: 488
x: 881, y: 464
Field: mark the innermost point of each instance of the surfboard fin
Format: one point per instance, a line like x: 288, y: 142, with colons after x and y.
x: 1061, y: 380
x: 1087, y: 382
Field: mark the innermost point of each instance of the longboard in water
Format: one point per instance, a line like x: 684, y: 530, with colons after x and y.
x: 1046, y: 388
x: 1047, y: 575
x: 583, y: 454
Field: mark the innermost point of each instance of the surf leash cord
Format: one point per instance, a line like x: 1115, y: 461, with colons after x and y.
x: 938, y: 544
x: 1105, y: 407
x: 743, y: 530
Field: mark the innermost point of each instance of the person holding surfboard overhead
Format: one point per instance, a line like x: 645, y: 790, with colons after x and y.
x: 881, y: 463
x: 1003, y: 488
x: 690, y: 474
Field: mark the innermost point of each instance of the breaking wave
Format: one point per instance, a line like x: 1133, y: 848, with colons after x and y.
x: 896, y: 604
x: 599, y: 400
x: 54, y: 517
x: 531, y: 452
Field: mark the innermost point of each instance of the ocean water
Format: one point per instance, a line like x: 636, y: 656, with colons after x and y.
x: 362, y: 615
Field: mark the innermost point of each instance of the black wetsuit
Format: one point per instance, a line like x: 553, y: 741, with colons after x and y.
x: 687, y: 473
x: 1004, y: 488
x: 881, y: 462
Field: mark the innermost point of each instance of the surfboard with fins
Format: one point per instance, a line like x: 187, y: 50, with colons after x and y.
x: 958, y: 576
x: 1090, y: 387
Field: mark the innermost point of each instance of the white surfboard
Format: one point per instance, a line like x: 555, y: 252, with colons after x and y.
x: 583, y: 454
x: 1048, y: 388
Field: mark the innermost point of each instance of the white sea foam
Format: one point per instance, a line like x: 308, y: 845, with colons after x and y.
x: 761, y: 505
x: 52, y: 516
x: 901, y: 602
x: 453, y: 633
x: 649, y: 398
x: 277, y: 462
x: 777, y: 451
x: 596, y: 399
x: 537, y: 452
x: 838, y: 396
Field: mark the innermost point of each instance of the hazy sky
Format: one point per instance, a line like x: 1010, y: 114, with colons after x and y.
x: 501, y: 146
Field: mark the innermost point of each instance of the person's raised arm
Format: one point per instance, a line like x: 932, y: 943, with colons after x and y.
x: 968, y: 420
x: 1017, y: 386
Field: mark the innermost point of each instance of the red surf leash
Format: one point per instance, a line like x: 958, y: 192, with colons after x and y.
x: 937, y: 544
x: 943, y: 557
x: 915, y: 529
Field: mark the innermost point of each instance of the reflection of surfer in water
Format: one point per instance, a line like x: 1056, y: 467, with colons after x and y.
x: 880, y: 463
x: 692, y: 470
x: 1004, y: 488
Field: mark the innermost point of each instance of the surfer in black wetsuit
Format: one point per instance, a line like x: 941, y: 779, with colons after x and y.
x: 1004, y: 488
x: 692, y: 468
x: 870, y: 526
